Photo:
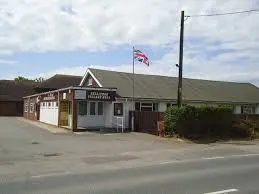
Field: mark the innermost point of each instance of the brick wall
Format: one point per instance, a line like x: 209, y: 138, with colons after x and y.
x: 30, y: 114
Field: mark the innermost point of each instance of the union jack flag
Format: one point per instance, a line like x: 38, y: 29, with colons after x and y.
x: 141, y: 57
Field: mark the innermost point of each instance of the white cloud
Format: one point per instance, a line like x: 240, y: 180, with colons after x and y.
x: 7, y: 62
x: 32, y: 25
x: 57, y: 25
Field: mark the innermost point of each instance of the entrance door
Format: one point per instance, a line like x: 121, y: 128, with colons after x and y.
x: 64, y: 111
x: 38, y: 111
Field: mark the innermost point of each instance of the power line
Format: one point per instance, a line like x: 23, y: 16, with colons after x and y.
x: 222, y: 14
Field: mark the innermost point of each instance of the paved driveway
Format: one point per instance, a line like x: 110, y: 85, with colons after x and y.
x: 26, y: 148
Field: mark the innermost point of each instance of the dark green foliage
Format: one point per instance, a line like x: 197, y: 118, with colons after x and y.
x: 244, y: 128
x: 20, y: 78
x: 198, y: 122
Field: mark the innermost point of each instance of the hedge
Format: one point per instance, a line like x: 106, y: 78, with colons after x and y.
x: 191, y: 121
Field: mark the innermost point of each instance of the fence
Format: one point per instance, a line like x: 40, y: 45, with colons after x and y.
x: 145, y: 122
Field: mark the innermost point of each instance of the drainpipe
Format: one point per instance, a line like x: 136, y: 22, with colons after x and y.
x: 28, y: 108
x: 58, y: 110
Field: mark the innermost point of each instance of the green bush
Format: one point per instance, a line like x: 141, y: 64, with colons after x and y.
x: 244, y: 128
x: 191, y: 121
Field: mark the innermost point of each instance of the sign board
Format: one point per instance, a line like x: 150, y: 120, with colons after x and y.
x: 49, y: 97
x: 80, y: 94
x: 100, y: 95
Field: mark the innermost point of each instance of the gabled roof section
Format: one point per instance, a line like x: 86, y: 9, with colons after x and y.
x: 165, y: 87
x: 89, y: 72
x: 59, y: 81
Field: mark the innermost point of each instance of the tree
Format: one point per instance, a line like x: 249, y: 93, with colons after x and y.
x: 20, y: 78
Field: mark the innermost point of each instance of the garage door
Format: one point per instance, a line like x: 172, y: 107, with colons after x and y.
x: 11, y: 108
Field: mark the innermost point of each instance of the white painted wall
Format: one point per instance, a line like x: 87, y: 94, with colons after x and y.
x: 108, y: 111
x: 69, y: 120
x: 127, y: 106
x: 257, y: 109
x: 162, y: 106
x: 49, y: 114
x: 91, y: 121
x: 237, y: 109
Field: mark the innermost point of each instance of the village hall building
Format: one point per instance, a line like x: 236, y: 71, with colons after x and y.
x: 103, y: 99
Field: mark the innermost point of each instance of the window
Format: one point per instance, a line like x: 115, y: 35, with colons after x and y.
x: 118, y: 109
x: 155, y: 107
x: 146, y: 106
x: 70, y: 108
x: 248, y: 109
x: 26, y: 107
x: 90, y: 82
x: 56, y: 104
x: 100, y: 108
x: 92, y: 108
x: 82, y: 107
x: 49, y: 104
x: 31, y: 107
x: 137, y: 106
x: 43, y: 103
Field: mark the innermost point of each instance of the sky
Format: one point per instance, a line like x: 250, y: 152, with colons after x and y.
x: 42, y: 38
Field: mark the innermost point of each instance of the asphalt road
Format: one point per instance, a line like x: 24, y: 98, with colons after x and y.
x: 33, y: 160
x: 236, y: 174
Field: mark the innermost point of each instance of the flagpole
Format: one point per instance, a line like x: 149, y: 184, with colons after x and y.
x: 133, y: 88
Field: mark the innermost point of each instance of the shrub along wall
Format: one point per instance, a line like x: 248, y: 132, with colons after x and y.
x: 203, y: 122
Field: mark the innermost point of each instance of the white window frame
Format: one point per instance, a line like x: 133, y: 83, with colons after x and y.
x: 97, y: 106
x: 90, y: 82
x: 250, y: 109
x: 79, y: 105
x: 32, y: 107
x: 26, y: 107
x: 122, y: 113
x: 146, y: 106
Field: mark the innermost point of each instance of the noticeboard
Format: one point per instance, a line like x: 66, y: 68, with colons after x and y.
x: 100, y: 95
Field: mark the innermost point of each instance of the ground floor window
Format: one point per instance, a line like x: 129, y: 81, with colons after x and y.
x: 31, y: 107
x: 118, y: 109
x: 92, y: 108
x: 100, y: 108
x: 26, y: 107
x: 248, y: 109
x: 144, y: 106
x: 82, y: 108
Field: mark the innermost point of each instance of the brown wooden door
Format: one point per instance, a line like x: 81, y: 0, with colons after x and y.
x: 64, y: 113
x: 38, y: 111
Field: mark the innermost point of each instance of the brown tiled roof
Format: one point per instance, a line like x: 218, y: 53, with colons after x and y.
x: 11, y: 90
x: 60, y: 81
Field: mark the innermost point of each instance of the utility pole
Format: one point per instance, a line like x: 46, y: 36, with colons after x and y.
x: 180, y: 65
